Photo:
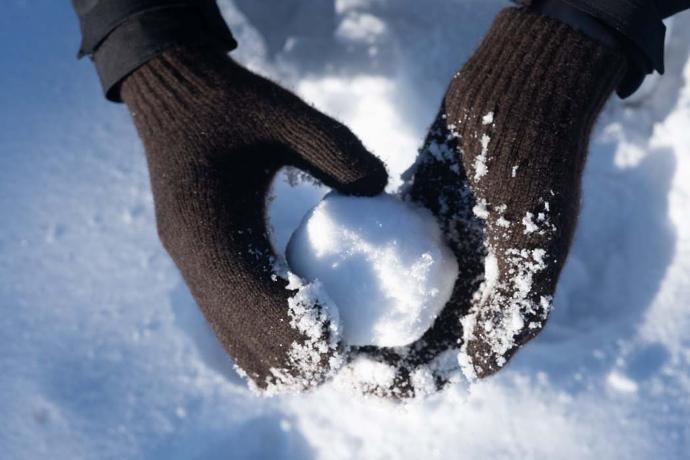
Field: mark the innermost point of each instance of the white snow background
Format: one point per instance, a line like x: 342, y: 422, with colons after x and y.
x: 103, y: 354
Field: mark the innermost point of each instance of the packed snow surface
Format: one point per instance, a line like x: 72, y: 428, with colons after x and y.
x: 104, y: 354
x: 382, y: 261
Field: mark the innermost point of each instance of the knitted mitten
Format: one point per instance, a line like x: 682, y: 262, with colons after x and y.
x: 215, y: 134
x: 517, y: 119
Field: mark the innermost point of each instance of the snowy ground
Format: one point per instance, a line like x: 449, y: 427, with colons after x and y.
x: 104, y: 354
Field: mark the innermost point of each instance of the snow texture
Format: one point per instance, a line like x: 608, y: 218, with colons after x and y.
x: 480, y: 165
x: 382, y: 261
x: 104, y: 354
x: 316, y: 317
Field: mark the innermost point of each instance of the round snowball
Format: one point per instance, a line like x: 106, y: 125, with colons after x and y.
x: 383, y: 262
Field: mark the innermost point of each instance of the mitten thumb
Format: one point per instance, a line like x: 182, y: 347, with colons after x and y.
x: 332, y: 154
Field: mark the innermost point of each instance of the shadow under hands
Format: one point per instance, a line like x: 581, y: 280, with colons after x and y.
x: 659, y: 94
x: 269, y: 436
x: 622, y: 250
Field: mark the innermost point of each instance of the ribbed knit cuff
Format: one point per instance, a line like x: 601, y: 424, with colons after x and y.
x: 536, y: 73
x: 633, y: 26
x: 172, y: 91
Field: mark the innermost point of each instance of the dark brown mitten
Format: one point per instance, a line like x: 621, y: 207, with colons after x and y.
x: 215, y: 134
x: 501, y: 170
x: 518, y: 117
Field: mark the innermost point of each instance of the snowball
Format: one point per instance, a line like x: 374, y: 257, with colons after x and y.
x: 382, y: 261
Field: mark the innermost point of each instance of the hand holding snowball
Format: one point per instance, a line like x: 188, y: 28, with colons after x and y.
x: 382, y: 261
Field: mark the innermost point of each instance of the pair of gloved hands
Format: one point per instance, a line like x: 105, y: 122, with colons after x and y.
x: 216, y: 134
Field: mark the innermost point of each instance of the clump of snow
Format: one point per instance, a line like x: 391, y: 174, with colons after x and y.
x: 424, y: 379
x: 361, y: 28
x: 503, y: 304
x: 480, y: 166
x: 488, y: 118
x: 528, y: 222
x: 621, y: 383
x: 503, y: 222
x: 317, y: 357
x: 365, y: 376
x: 491, y: 276
x: 480, y: 209
x: 465, y: 362
x: 383, y: 261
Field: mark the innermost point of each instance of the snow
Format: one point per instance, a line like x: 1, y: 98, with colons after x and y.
x: 480, y: 166
x: 528, y: 222
x: 382, y: 261
x: 307, y: 357
x: 480, y: 210
x: 104, y: 354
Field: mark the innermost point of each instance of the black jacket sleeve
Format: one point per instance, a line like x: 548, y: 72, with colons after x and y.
x: 122, y: 35
x: 670, y: 7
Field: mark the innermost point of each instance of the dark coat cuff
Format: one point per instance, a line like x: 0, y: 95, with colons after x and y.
x: 120, y: 36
